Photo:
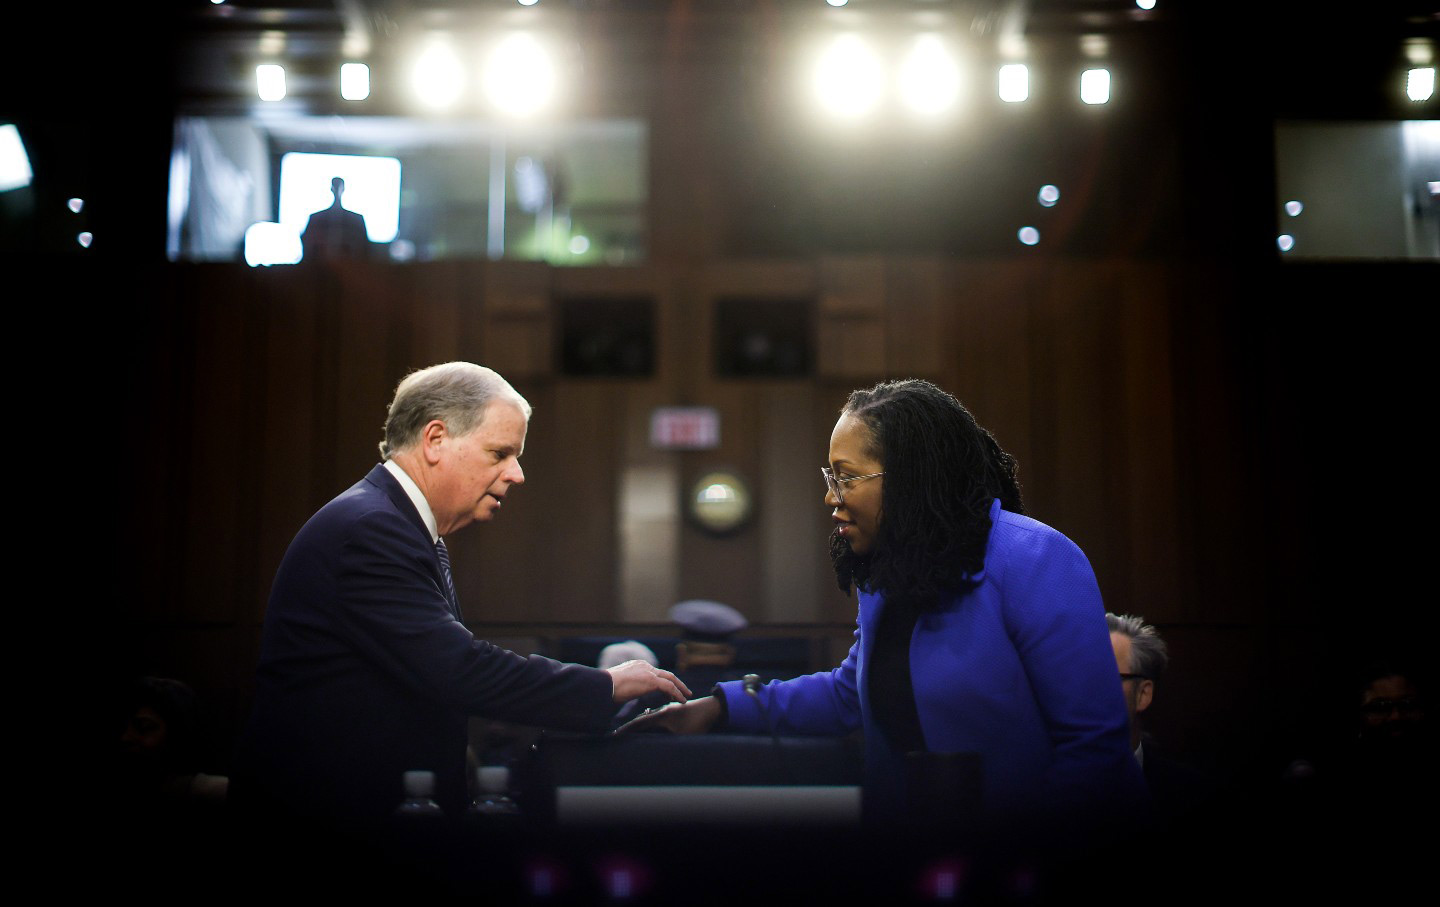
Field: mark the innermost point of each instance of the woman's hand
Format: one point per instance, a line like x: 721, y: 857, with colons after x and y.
x: 697, y: 716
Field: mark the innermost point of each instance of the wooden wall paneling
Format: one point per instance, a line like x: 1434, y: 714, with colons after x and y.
x: 1113, y: 417
x: 990, y: 346
x: 217, y: 536
x: 519, y: 348
x: 641, y: 280
x: 367, y: 368
x: 1072, y: 335
x: 743, y: 278
x: 678, y: 292
x: 916, y: 318
x: 439, y: 304
x: 295, y: 432
x: 793, y: 521
x: 648, y: 510
x: 850, y: 341
x: 1152, y: 532
x: 550, y: 554
x: 763, y: 277
x: 518, y: 339
x: 1209, y: 338
x: 726, y: 568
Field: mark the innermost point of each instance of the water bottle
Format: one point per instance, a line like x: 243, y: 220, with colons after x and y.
x: 493, y: 806
x: 419, y: 802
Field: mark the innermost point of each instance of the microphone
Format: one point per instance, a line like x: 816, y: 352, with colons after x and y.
x: 752, y: 688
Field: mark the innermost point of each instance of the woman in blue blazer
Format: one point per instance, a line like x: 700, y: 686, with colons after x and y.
x: 980, y: 630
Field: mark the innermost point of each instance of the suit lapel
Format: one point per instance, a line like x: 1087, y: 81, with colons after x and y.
x: 381, y: 478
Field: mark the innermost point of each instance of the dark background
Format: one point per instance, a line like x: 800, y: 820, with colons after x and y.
x: 1235, y: 442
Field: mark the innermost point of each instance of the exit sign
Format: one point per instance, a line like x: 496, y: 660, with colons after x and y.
x: 684, y: 428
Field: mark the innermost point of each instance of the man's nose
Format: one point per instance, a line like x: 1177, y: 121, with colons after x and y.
x: 516, y: 475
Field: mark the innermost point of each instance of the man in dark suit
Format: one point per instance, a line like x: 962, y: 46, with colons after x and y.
x: 366, y: 669
x: 1177, y: 790
x: 335, y: 232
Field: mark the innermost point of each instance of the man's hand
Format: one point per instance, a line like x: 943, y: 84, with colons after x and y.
x: 633, y: 679
x: 697, y: 716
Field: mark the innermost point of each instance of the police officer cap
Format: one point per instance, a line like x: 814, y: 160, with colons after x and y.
x: 708, y: 620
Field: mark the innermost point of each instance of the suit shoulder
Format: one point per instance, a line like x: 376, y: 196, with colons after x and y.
x: 1019, y: 540
x: 364, y: 509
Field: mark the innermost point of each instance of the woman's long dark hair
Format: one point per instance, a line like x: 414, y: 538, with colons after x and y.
x: 942, y: 470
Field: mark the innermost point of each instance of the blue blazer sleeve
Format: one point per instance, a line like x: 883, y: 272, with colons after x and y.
x: 827, y: 703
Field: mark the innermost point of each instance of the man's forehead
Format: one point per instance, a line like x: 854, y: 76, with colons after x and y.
x: 504, y: 418
x: 1121, y: 643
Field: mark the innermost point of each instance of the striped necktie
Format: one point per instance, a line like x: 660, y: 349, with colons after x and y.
x: 444, y: 556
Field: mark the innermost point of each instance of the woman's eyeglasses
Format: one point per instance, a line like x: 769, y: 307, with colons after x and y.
x: 837, y: 486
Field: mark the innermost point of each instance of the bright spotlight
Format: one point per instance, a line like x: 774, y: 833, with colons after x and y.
x: 1421, y: 83
x: 15, y: 172
x: 76, y: 205
x: 837, y: 2
x: 270, y: 81
x: 849, y: 78
x: 1285, y: 241
x: 1049, y: 195
x: 1029, y: 235
x: 1145, y: 4
x: 1293, y: 208
x: 439, y: 76
x: 528, y: 2
x: 1095, y: 86
x: 85, y: 239
x: 354, y: 81
x: 929, y: 80
x: 1014, y: 82
x: 579, y: 244
x: 520, y: 77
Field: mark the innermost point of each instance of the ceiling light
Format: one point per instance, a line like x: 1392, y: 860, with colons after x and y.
x: 270, y: 81
x: 438, y: 77
x: 1014, y: 82
x: 354, y: 81
x: 929, y: 80
x: 1420, y: 84
x: 1095, y: 86
x: 848, y: 77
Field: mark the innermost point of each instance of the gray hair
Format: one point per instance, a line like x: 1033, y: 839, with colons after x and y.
x: 629, y: 650
x: 456, y: 393
x: 1148, y: 653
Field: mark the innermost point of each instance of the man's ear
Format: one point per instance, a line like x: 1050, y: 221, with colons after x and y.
x: 432, y: 437
x: 1144, y: 695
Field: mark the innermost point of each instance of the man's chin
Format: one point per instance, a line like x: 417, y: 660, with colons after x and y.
x: 487, y: 511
